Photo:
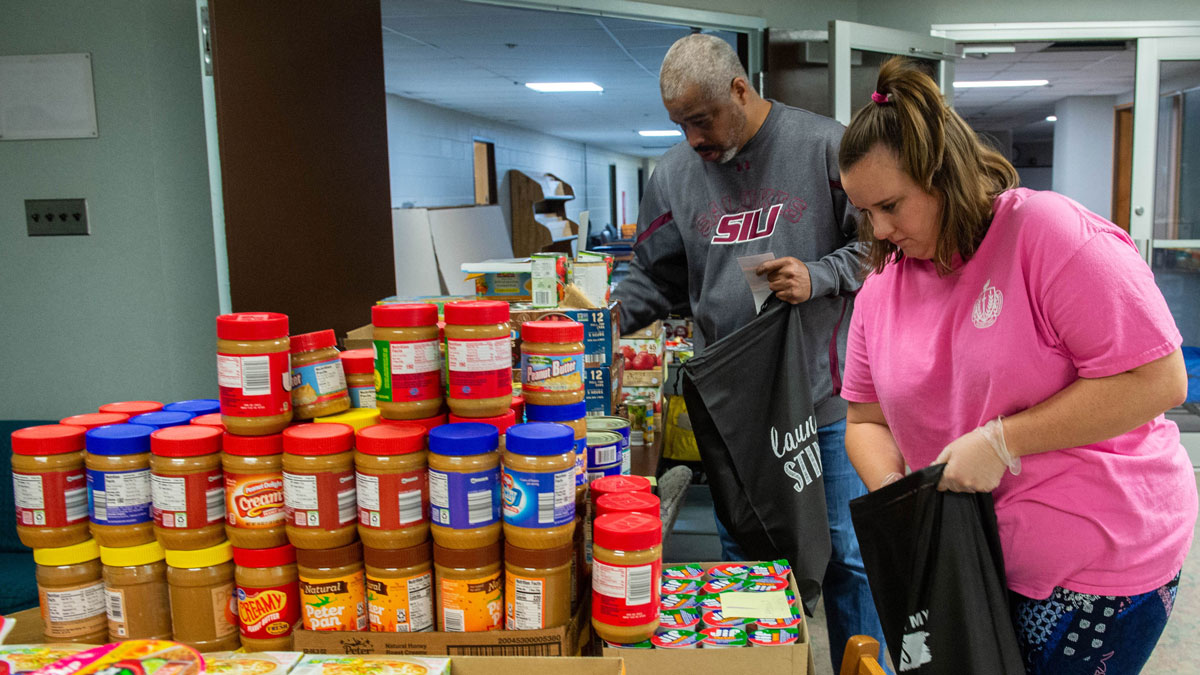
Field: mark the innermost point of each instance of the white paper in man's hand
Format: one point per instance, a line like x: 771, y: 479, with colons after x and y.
x: 760, y: 288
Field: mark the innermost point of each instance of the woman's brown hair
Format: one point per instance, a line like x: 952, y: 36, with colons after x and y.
x: 937, y: 149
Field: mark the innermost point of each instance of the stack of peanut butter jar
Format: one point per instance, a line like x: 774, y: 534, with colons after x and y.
x: 389, y: 489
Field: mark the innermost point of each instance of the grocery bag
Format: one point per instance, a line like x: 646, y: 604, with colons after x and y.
x: 935, y: 567
x: 750, y: 405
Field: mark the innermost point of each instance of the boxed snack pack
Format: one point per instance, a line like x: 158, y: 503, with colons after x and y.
x: 252, y: 663
x: 370, y: 664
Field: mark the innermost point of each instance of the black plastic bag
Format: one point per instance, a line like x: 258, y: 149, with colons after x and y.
x: 751, y: 409
x: 936, y: 571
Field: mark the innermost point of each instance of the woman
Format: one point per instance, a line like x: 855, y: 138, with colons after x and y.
x: 1021, y: 340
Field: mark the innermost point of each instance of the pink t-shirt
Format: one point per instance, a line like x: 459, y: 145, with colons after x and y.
x: 1054, y: 293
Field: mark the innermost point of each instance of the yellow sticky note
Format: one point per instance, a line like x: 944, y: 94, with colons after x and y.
x: 751, y: 605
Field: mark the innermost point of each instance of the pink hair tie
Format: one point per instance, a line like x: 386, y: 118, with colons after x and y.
x: 880, y: 99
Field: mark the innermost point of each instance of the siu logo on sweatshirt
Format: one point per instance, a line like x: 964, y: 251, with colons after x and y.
x: 736, y: 228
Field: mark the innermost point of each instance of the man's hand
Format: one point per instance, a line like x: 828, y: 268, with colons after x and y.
x: 789, y: 279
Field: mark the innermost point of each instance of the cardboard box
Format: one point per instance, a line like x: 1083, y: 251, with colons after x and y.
x: 601, y: 330
x: 533, y: 665
x: 510, y: 280
x: 645, y: 378
x: 567, y: 640
x: 362, y: 337
x: 795, y: 659
x: 602, y: 387
x: 650, y: 332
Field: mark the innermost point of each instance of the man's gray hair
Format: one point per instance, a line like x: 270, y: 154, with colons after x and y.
x: 703, y: 60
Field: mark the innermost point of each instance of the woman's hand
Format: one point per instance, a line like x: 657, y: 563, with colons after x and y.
x: 972, y: 464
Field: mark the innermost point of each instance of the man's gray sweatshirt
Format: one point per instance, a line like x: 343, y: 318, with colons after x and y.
x: 779, y: 194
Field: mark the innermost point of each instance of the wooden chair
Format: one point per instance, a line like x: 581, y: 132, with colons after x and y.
x: 861, y: 657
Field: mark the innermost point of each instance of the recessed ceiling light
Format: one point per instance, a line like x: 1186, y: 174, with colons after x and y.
x: 988, y: 49
x: 1052, y: 118
x: 557, y: 87
x: 979, y: 84
x: 660, y: 132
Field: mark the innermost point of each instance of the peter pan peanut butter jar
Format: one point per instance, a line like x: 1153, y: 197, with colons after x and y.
x: 254, y: 372
x: 479, y: 358
x: 333, y: 590
x: 408, y: 362
x: 254, y: 508
x: 318, y: 485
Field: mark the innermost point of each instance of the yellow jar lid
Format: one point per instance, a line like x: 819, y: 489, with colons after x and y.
x: 355, y: 417
x: 205, y: 557
x: 67, y: 555
x: 143, y: 554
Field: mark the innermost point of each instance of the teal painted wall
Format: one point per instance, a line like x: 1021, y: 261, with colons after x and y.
x: 128, y: 311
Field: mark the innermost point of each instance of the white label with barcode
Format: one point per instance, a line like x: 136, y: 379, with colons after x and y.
x: 527, y: 605
x: 479, y: 506
x: 543, y: 297
x: 545, y: 509
x: 455, y: 620
x: 410, y: 507
x: 115, y: 604
x: 256, y: 375
x: 99, y: 505
x: 76, y: 503
x: 638, y: 589
x: 607, y: 455
x: 347, y: 506
x: 632, y: 584
x: 214, y: 504
x: 479, y: 355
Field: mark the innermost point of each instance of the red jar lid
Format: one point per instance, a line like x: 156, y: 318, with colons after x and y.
x: 549, y: 330
x: 252, y: 326
x: 408, y: 315
x: 209, y: 420
x: 391, y: 439
x: 476, y: 312
x: 131, y: 408
x: 358, y: 361
x: 628, y: 502
x: 501, y: 422
x: 48, y: 439
x: 310, y: 342
x: 627, y: 531
x: 615, y: 484
x: 93, y: 420
x: 318, y: 439
x: 185, y: 441
x: 427, y: 422
x: 264, y: 557
x: 252, y: 446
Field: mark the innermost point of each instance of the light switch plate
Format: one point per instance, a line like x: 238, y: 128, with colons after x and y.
x: 51, y: 217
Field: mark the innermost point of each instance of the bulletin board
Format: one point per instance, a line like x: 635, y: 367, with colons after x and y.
x: 44, y: 96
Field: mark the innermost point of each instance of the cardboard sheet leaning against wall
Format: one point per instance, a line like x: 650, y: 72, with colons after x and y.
x: 467, y: 234
x: 413, y: 255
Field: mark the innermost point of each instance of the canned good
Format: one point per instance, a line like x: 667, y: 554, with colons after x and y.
x: 619, y: 425
x: 604, y: 454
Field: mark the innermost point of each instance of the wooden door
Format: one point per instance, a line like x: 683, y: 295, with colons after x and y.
x: 302, y: 124
x: 1122, y: 165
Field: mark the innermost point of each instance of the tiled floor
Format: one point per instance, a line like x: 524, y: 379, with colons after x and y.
x: 1178, y: 653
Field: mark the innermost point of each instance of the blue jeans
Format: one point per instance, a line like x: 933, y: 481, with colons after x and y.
x: 849, y: 607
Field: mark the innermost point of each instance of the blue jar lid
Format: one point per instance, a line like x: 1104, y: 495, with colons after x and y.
x: 556, y: 413
x: 540, y: 438
x: 119, y: 439
x: 195, y: 407
x: 162, y: 419
x: 463, y: 438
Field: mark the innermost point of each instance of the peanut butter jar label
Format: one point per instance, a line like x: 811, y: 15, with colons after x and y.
x: 73, y: 612
x: 51, y: 498
x: 403, y: 605
x: 224, y: 610
x: 256, y: 385
x: 188, y: 502
x: 323, y: 500
x: 265, y: 613
x: 472, y: 605
x: 480, y: 368
x: 392, y: 500
x: 407, y: 371
x: 254, y: 500
x: 625, y: 595
x: 334, y: 604
x: 551, y: 373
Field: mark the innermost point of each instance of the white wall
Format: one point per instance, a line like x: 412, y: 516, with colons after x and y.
x: 1083, y: 151
x: 128, y: 311
x: 431, y: 161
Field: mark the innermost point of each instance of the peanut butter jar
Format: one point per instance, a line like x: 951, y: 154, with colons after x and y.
x: 187, y: 487
x: 50, y: 485
x: 318, y: 485
x: 408, y: 362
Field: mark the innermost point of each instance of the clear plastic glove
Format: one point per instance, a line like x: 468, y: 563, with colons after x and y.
x: 976, y: 461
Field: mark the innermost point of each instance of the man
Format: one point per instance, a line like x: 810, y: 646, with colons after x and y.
x: 754, y: 177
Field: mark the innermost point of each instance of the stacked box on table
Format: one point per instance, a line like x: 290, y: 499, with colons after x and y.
x: 793, y: 659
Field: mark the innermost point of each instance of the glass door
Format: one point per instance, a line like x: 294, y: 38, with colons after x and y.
x: 857, y: 50
x: 1165, y: 217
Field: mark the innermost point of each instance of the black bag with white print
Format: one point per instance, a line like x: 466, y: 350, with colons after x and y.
x: 936, y: 571
x: 750, y: 404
